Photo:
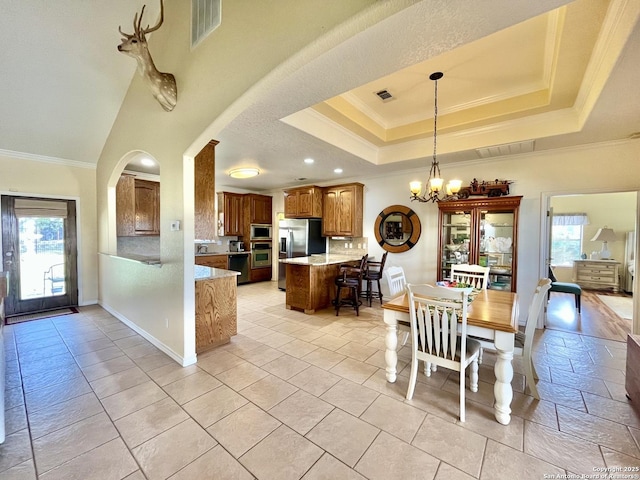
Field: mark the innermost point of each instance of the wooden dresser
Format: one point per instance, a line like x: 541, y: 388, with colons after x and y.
x: 597, y: 274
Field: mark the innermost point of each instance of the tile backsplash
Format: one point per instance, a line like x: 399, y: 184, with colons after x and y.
x: 220, y: 245
x: 148, y: 245
x: 349, y: 246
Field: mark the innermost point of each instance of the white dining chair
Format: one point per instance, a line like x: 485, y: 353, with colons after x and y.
x: 524, y: 341
x: 523, y: 344
x: 396, y: 280
x: 397, y: 285
x: 435, y: 315
x: 476, y: 276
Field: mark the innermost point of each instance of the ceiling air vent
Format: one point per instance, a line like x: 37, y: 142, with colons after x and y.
x: 205, y: 18
x: 384, y: 95
x: 506, y: 149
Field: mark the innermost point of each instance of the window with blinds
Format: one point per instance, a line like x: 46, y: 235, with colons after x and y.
x: 566, y: 238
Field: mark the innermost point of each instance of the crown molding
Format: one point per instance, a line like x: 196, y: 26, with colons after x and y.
x: 620, y: 20
x: 45, y: 159
x: 319, y: 126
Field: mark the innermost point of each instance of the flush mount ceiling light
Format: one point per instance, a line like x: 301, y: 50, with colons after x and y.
x: 309, y: 161
x: 147, y: 162
x: 433, y: 189
x: 244, y: 172
x: 337, y: 170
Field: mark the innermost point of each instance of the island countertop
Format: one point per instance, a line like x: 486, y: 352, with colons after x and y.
x: 201, y: 272
x: 321, y: 259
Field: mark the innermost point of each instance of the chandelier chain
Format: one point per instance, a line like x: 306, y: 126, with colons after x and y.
x: 435, y: 122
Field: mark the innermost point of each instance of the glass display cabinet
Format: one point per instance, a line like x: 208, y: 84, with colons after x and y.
x: 480, y: 231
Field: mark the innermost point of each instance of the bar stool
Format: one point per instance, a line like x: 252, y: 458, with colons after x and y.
x: 350, y: 278
x: 373, y: 272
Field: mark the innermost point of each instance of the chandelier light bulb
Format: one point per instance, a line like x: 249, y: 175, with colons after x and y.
x: 416, y: 187
x: 455, y: 185
x: 435, y: 184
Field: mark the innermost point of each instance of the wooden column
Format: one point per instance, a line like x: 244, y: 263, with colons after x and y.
x: 204, y: 192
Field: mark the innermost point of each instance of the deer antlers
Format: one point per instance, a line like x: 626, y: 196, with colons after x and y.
x: 137, y: 31
x: 162, y: 85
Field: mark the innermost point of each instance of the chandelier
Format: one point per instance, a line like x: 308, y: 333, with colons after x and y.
x: 433, y: 189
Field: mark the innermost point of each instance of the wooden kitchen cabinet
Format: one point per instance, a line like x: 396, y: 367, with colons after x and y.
x: 258, y: 208
x: 303, y: 202
x: 213, y: 261
x: 125, y: 206
x: 342, y: 210
x: 260, y: 274
x: 216, y: 312
x: 480, y: 231
x: 137, y: 207
x: 205, y: 193
x: 230, y: 214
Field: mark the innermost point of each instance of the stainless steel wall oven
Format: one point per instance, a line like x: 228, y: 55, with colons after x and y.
x: 261, y: 254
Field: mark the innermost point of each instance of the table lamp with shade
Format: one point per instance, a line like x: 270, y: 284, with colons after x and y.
x: 604, y: 235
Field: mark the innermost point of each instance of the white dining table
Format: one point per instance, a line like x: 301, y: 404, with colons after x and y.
x: 492, y: 316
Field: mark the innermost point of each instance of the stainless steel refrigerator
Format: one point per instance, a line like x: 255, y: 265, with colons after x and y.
x: 298, y: 238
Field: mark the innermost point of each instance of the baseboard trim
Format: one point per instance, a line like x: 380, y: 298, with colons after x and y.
x: 184, y: 361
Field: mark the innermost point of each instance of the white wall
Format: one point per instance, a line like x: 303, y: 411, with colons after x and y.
x: 21, y: 176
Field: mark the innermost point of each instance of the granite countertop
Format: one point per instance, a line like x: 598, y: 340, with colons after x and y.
x: 206, y: 254
x: 153, y: 260
x: 201, y: 272
x: 322, y: 259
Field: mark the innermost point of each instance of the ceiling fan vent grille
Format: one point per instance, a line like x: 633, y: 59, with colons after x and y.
x: 206, y: 16
x: 506, y: 149
x: 384, y: 95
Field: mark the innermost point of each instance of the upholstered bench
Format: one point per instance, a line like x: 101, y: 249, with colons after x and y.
x: 564, y: 287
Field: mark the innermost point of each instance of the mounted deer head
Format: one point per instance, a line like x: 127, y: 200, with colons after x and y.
x: 162, y: 85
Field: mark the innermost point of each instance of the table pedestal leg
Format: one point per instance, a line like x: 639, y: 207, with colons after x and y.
x: 502, y: 390
x: 391, y: 354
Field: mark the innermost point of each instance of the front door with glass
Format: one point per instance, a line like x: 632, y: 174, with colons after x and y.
x: 39, y: 251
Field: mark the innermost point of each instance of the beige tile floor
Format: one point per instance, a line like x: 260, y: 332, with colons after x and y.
x: 296, y: 396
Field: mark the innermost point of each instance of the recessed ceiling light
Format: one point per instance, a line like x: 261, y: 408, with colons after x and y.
x: 309, y: 161
x: 147, y: 162
x: 337, y: 170
x: 244, y: 172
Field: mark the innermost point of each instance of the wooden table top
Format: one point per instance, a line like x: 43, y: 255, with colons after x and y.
x: 490, y: 309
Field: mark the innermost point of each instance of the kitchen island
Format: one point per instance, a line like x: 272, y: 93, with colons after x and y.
x: 216, y: 307
x: 310, y: 283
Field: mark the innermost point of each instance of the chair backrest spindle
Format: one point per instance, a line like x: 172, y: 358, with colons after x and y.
x: 395, y: 280
x: 475, y: 276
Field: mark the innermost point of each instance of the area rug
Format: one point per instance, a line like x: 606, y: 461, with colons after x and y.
x: 39, y: 316
x: 622, y: 306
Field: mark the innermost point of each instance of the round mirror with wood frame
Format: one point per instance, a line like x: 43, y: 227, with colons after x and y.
x: 397, y: 228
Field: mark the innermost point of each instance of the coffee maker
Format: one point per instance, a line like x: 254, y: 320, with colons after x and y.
x: 236, y: 246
